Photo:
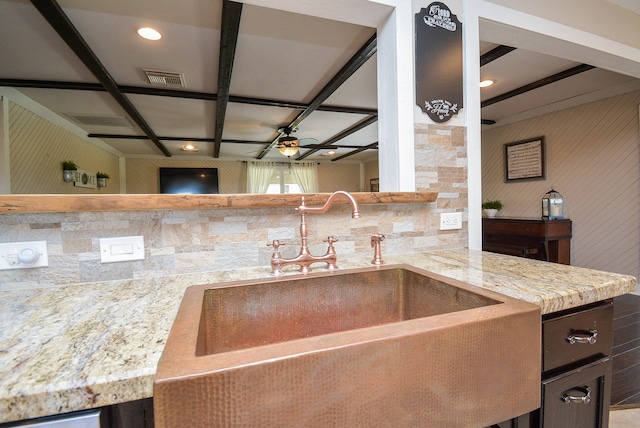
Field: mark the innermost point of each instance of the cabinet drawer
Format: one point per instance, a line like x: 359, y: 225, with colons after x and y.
x: 578, y: 398
x: 511, y: 228
x: 571, y: 337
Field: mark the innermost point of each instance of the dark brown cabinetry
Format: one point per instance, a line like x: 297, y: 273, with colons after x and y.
x: 548, y: 240
x: 578, y: 398
x: 576, y: 370
x: 132, y: 414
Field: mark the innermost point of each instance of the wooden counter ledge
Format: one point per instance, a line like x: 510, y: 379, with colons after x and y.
x: 121, y: 202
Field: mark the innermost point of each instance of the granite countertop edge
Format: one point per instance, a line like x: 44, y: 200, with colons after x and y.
x: 84, y: 346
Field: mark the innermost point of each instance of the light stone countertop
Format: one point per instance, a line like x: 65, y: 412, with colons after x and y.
x: 82, y: 346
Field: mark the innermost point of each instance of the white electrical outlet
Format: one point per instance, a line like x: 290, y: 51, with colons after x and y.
x: 450, y: 221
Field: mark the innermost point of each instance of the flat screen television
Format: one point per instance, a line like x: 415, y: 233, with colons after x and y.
x: 189, y: 180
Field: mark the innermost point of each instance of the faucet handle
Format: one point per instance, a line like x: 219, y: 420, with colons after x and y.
x: 275, y: 244
x: 330, y: 240
x: 376, y: 237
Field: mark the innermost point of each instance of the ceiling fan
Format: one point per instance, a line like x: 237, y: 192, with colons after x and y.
x: 288, y: 145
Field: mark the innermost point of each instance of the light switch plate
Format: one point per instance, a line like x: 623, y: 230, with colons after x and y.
x: 121, y: 249
x: 450, y: 221
x: 23, y: 255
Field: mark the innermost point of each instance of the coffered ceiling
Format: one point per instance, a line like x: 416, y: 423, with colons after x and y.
x: 248, y: 72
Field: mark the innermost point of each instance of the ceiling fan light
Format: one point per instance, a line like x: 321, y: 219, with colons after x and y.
x: 288, y: 145
x: 288, y: 151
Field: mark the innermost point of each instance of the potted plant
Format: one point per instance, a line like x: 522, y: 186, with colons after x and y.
x: 491, y: 208
x: 69, y: 169
x: 102, y: 178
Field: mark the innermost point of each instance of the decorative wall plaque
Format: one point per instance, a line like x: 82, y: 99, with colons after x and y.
x: 85, y: 179
x: 439, y: 79
x: 525, y: 160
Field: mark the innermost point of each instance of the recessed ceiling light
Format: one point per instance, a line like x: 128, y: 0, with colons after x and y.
x: 189, y: 148
x: 149, y: 33
x: 486, y: 82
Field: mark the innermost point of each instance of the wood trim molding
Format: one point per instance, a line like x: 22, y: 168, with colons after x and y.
x: 117, y: 202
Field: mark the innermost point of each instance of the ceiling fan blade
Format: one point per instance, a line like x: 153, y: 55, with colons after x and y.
x: 318, y: 146
x: 307, y: 138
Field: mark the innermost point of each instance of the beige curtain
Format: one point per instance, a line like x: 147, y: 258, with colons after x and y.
x: 259, y: 176
x: 306, y: 175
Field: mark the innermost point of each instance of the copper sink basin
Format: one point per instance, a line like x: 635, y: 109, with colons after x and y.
x: 390, y: 346
x: 255, y: 315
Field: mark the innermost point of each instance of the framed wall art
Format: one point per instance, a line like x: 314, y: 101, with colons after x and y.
x: 525, y: 160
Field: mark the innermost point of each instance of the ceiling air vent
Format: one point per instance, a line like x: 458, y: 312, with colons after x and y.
x: 99, y: 120
x: 165, y: 78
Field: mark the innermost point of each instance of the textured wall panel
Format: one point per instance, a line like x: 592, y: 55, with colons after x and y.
x: 337, y: 176
x: 37, y: 148
x: 594, y: 162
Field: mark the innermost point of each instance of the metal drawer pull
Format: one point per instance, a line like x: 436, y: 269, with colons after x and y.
x: 567, y: 398
x: 589, y: 337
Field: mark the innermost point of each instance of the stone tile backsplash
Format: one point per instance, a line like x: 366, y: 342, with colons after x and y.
x: 185, y: 241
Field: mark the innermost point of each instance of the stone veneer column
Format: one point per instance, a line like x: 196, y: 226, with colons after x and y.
x: 441, y: 166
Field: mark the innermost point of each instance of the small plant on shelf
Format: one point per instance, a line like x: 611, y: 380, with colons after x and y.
x: 491, y: 208
x: 102, y: 178
x: 69, y: 166
x: 69, y: 169
x: 492, y: 205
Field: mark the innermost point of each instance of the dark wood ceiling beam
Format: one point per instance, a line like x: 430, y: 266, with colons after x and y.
x: 361, y: 57
x: 56, y: 17
x: 494, y: 54
x: 231, y: 13
x: 194, y: 139
x: 212, y: 140
x: 176, y: 93
x: 538, y: 84
x: 358, y: 126
x: 52, y: 84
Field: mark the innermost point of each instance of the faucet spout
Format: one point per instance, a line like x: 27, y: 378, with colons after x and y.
x: 355, y: 213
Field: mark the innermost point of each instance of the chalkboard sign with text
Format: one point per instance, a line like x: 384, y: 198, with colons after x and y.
x: 438, y: 62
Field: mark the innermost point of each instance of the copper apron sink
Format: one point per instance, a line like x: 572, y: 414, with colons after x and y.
x: 257, y: 314
x: 386, y: 346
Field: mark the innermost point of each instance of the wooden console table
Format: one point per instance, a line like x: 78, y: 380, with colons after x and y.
x: 548, y: 240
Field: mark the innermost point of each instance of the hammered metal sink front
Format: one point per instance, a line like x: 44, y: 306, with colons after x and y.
x: 390, y: 346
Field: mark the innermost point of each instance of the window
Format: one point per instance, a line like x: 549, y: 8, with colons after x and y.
x: 272, y: 177
x: 283, y: 181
